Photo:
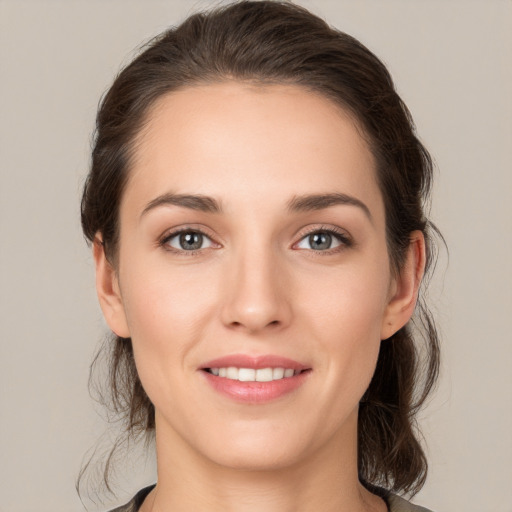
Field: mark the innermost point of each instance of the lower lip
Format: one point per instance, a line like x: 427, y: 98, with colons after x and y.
x: 256, y: 392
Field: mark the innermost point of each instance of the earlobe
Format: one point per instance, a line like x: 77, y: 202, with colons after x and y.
x: 406, y: 286
x: 107, y: 288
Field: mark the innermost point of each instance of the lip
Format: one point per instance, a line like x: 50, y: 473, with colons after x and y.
x: 255, y: 392
x: 255, y: 362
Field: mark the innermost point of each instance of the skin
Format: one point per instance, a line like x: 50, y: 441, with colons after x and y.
x: 256, y: 286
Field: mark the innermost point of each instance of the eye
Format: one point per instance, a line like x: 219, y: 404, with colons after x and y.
x: 323, y: 240
x: 187, y: 240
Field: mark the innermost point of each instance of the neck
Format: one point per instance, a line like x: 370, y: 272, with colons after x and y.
x: 326, y: 480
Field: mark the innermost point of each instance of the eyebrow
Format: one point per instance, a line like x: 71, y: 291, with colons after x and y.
x: 303, y: 203
x: 190, y: 201
x: 312, y: 202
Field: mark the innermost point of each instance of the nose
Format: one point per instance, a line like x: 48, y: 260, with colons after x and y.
x: 256, y: 293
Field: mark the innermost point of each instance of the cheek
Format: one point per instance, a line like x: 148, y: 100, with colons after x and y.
x: 159, y: 302
x: 345, y: 317
x: 166, y: 310
x: 348, y: 303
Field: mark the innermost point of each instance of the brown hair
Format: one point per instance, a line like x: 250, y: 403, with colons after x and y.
x: 278, y: 42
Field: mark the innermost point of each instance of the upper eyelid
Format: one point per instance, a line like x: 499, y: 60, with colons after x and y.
x: 172, y: 232
x: 337, y: 231
x: 163, y: 241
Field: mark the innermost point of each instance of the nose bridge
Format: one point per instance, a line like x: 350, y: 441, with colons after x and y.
x: 256, y: 296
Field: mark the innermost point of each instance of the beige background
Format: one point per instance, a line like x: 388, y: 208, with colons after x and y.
x: 451, y: 60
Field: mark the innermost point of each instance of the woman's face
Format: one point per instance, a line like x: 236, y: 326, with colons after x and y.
x: 252, y: 235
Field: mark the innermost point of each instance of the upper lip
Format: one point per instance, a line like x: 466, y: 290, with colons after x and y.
x: 256, y: 362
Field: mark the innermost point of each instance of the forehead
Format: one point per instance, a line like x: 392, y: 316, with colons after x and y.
x: 249, y: 143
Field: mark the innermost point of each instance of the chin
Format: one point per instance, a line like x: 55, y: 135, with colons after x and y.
x: 263, y: 448
x: 257, y: 459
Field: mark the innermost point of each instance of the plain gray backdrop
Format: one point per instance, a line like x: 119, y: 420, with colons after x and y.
x: 451, y: 60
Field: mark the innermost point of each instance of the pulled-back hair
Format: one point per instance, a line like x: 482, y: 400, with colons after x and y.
x: 278, y: 42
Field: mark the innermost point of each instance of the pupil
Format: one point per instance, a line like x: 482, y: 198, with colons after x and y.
x: 191, y: 241
x: 320, y: 241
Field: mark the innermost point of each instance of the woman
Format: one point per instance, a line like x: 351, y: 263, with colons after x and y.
x: 255, y: 206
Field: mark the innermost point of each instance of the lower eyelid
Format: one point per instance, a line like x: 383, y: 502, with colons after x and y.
x: 165, y: 240
x: 343, y: 239
x: 205, y: 239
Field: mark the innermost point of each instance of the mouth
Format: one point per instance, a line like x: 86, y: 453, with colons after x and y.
x: 255, y: 379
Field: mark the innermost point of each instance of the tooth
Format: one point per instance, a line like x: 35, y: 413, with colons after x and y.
x: 232, y: 373
x: 251, y: 375
x: 246, y: 374
x: 264, y: 375
x: 277, y: 373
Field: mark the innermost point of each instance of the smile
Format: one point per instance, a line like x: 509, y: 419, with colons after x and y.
x: 253, y: 375
x: 255, y: 379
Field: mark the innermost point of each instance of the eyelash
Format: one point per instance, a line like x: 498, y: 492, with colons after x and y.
x: 341, y: 236
x: 164, y: 242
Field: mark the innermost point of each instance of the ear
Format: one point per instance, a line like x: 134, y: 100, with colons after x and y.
x: 107, y: 288
x: 405, y: 287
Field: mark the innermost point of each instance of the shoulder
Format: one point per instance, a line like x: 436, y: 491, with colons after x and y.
x: 134, y: 504
x: 398, y: 504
